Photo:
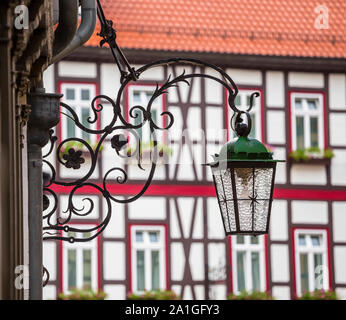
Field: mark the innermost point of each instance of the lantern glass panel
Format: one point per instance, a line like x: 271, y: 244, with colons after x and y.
x: 223, y: 184
x: 244, y: 195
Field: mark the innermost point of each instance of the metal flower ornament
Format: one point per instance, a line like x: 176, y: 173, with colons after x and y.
x: 243, y: 172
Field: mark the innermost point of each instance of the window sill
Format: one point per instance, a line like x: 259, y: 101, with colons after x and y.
x: 310, y: 162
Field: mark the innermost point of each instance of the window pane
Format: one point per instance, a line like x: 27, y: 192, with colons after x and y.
x: 256, y: 281
x: 312, y: 104
x: 70, y: 94
x: 237, y: 100
x: 253, y: 126
x: 87, y: 268
x: 314, y: 132
x: 254, y: 240
x: 304, y: 273
x: 298, y: 104
x: 139, y: 236
x: 241, y: 270
x: 240, y: 239
x: 300, y: 132
x: 318, y: 271
x: 154, y: 236
x: 302, y: 240
x: 138, y: 121
x: 248, y: 100
x: 140, y: 271
x: 85, y: 94
x: 85, y: 116
x: 155, y: 270
x: 136, y: 97
x: 71, y: 126
x: 316, y: 241
x: 72, y: 269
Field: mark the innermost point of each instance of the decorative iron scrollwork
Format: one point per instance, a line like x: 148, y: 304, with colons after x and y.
x: 60, y: 228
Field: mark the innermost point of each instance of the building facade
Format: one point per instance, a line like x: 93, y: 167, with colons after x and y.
x: 172, y: 237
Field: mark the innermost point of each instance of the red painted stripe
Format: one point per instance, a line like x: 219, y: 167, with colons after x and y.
x: 204, y: 190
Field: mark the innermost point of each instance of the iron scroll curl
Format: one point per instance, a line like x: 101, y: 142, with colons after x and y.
x: 60, y: 228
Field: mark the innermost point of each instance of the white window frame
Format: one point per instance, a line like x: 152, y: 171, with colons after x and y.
x: 157, y: 105
x: 256, y: 110
x: 79, y: 247
x: 248, y: 248
x: 309, y: 249
x: 147, y: 247
x: 306, y: 114
x: 78, y: 104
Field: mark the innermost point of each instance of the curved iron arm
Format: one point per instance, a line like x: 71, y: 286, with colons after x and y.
x: 73, y: 159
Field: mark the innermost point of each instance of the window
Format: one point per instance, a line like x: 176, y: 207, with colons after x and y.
x: 242, y: 102
x: 307, y: 121
x: 311, y: 260
x: 140, y: 96
x: 79, y: 264
x: 78, y: 97
x: 148, y: 258
x: 248, y: 263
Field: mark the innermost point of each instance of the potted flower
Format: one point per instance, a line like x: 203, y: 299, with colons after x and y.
x: 253, y: 295
x: 319, y: 295
x: 154, y: 295
x: 311, y: 155
x: 85, y: 293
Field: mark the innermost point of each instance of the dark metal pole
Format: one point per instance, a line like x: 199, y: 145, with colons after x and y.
x: 35, y: 221
x: 44, y: 115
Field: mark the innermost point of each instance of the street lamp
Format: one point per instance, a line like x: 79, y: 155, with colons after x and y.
x: 244, y: 174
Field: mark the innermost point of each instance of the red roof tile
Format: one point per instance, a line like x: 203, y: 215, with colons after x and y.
x: 259, y: 27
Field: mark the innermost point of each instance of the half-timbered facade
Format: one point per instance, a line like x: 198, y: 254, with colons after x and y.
x: 173, y: 237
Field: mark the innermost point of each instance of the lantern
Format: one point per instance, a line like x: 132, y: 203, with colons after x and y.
x: 244, y: 173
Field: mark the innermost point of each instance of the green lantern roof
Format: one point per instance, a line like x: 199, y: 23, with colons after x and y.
x: 244, y: 149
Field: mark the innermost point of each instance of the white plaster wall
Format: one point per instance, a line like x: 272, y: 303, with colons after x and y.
x: 307, y: 174
x: 337, y: 91
x: 337, y: 129
x: 275, y: 89
x: 339, y: 221
x: 309, y: 212
x: 276, y: 127
x: 278, y: 220
x: 77, y: 69
x: 177, y: 261
x: 49, y: 292
x: 213, y: 89
x: 338, y: 168
x: 109, y: 80
x: 79, y: 203
x: 196, y: 261
x: 187, y: 293
x: 281, y: 292
x: 156, y: 74
x: 193, y: 123
x: 114, y: 260
x: 215, y: 225
x: 280, y: 263
x: 305, y: 79
x: 174, y: 225
x: 116, y: 225
x: 148, y: 208
x: 214, y: 123
x: 280, y: 154
x: 197, y: 231
x: 49, y: 258
x: 48, y: 79
x: 216, y: 255
x: 115, y: 291
x: 199, y: 292
x: 245, y: 76
x: 218, y: 292
x: 340, y: 264
x: 341, y: 292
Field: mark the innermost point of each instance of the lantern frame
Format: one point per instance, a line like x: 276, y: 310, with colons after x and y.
x: 249, y: 153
